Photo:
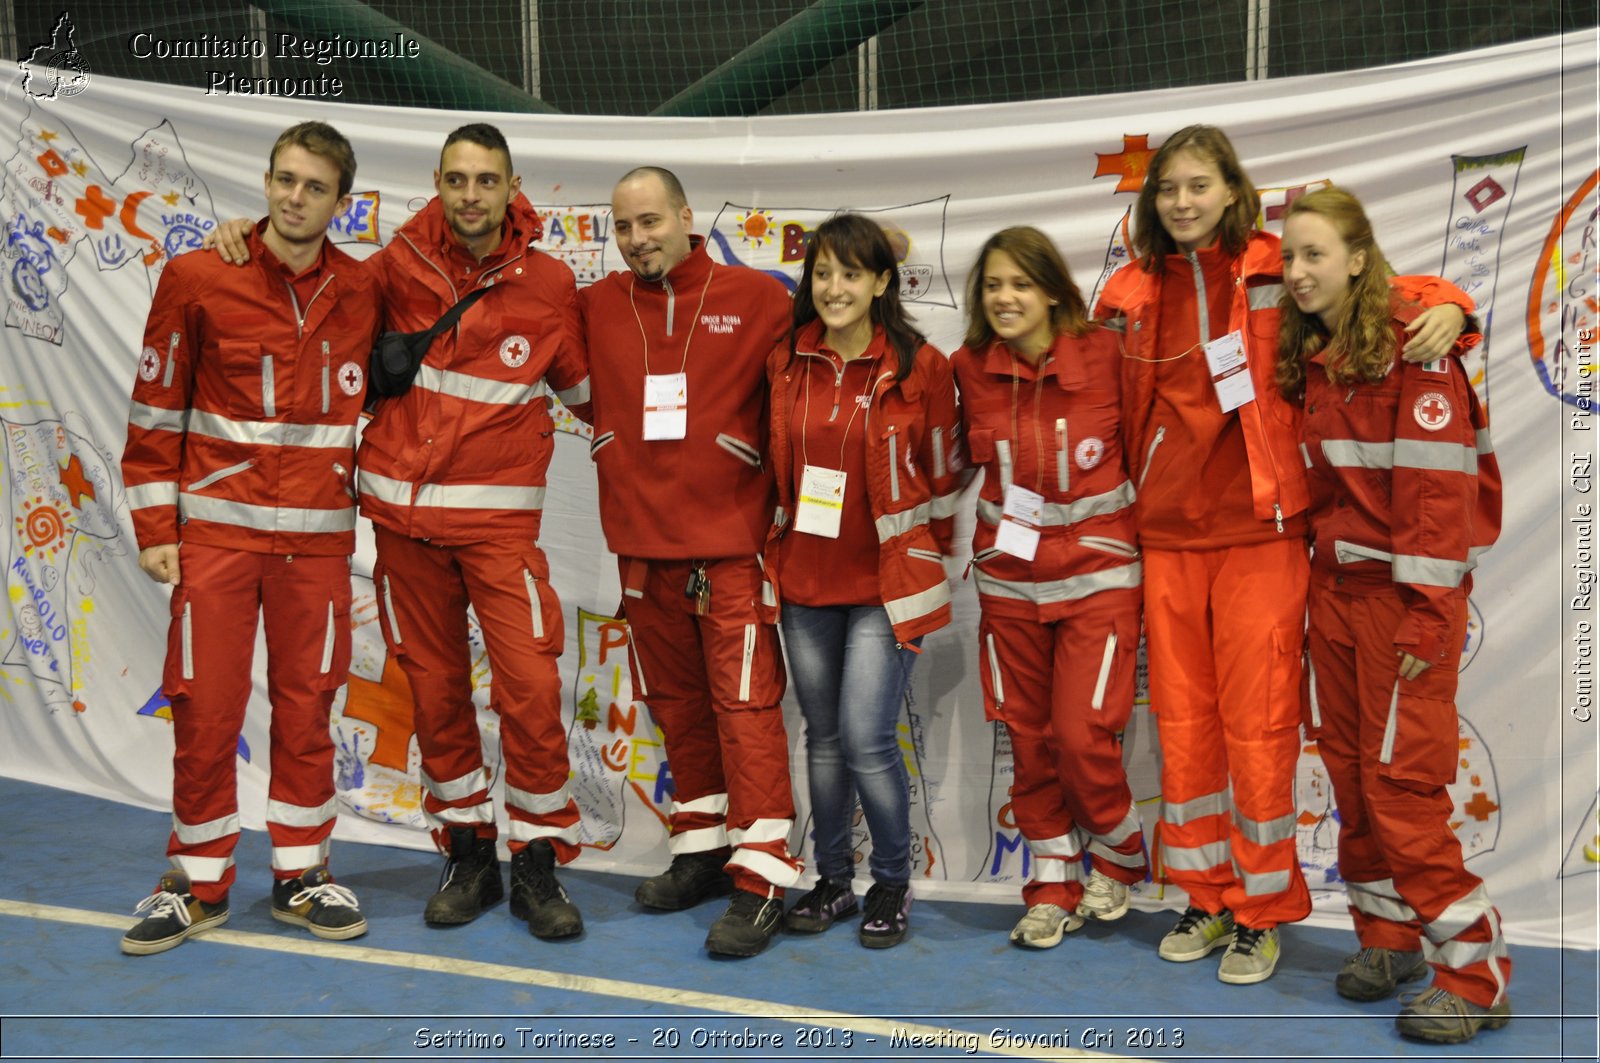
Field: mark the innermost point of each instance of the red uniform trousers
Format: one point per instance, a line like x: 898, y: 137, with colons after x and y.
x: 1226, y: 631
x: 1064, y: 690
x: 304, y: 601
x: 1391, y: 747
x: 423, y: 593
x: 713, y: 684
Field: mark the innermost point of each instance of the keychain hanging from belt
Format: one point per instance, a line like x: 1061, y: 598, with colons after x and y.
x: 699, y: 588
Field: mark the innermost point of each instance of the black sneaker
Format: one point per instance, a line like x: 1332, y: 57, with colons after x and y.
x: 171, y: 915
x: 747, y: 927
x: 888, y: 916
x: 319, y: 904
x: 829, y: 900
x: 691, y: 878
x: 537, y: 897
x: 470, y: 883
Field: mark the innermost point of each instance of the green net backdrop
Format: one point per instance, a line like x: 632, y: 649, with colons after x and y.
x: 717, y: 57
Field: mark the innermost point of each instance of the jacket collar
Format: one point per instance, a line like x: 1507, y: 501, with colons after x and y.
x: 430, y: 234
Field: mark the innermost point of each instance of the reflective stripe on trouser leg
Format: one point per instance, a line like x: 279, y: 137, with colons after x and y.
x: 1467, y: 949
x: 1056, y: 874
x: 699, y: 826
x: 314, y: 823
x: 553, y: 816
x: 460, y: 802
x: 762, y: 849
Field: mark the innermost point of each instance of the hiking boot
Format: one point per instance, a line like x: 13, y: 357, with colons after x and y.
x: 690, y: 879
x: 1198, y: 934
x: 319, y: 904
x: 1374, y: 973
x: 1043, y: 926
x: 537, y: 897
x: 1252, y: 957
x: 1104, y: 898
x: 831, y: 899
x: 171, y: 915
x: 748, y: 926
x: 888, y: 916
x: 1439, y: 1015
x: 470, y: 883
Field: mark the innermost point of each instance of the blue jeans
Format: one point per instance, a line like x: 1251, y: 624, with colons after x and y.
x: 851, y: 679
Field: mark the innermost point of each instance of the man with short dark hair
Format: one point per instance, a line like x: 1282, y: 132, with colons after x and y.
x: 241, y: 442
x: 677, y: 351
x: 452, y: 476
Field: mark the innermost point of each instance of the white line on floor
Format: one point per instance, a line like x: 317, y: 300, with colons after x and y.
x: 575, y: 983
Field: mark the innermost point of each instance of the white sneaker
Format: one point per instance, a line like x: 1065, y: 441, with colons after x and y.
x: 1043, y: 926
x: 1104, y: 898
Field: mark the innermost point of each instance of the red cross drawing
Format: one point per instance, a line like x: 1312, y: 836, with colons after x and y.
x: 1480, y: 807
x: 1128, y: 165
x: 76, y: 483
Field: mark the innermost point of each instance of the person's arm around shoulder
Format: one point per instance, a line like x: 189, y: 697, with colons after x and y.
x: 568, y: 374
x: 1435, y: 332
x: 941, y: 452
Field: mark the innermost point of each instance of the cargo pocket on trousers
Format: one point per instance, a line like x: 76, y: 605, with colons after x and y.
x: 1285, y: 672
x: 178, y: 672
x: 994, y: 691
x: 384, y: 588
x: 336, y: 639
x: 544, y: 608
x: 1421, y: 742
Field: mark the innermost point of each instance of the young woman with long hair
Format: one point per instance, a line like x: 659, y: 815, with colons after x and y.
x: 1057, y: 569
x: 1405, y: 494
x: 1214, y: 451
x: 864, y: 437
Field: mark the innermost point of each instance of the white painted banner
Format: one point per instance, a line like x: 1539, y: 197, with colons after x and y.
x: 1481, y: 165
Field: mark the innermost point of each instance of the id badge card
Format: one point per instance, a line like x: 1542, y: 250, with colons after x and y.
x: 666, y: 405
x: 1230, y: 371
x: 821, y: 502
x: 1019, y: 524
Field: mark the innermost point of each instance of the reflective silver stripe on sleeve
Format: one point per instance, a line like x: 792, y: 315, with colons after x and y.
x: 172, y: 351
x: 1429, y: 571
x: 1305, y: 454
x: 158, y: 418
x: 1355, y: 454
x: 220, y: 474
x: 938, y: 450
x: 150, y: 496
x: 1482, y: 443
x: 945, y: 506
x: 1439, y: 457
x: 576, y: 395
x: 891, y: 524
x: 912, y: 606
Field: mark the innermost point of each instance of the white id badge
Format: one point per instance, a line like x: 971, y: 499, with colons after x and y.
x: 821, y: 502
x: 666, y: 405
x: 1230, y: 372
x: 1019, y: 525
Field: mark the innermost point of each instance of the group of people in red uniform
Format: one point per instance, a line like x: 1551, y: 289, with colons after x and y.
x: 1243, y: 425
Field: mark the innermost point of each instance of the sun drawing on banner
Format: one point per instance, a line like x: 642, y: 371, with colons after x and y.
x: 756, y: 228
x: 41, y: 527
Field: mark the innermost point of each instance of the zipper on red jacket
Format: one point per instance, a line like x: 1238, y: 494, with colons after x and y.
x: 1201, y: 309
x: 672, y: 299
x: 325, y: 371
x: 299, y: 314
x: 172, y: 353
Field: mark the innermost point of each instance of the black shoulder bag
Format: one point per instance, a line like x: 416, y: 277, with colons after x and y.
x: 397, y: 356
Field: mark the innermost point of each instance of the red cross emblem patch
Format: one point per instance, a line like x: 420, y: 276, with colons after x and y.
x: 1088, y: 452
x: 351, y: 379
x: 514, y: 351
x: 1432, y: 410
x: 149, y: 364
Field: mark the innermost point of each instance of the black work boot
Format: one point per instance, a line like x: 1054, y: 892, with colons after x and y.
x: 692, y: 878
x: 749, y: 924
x: 536, y: 895
x: 471, y: 880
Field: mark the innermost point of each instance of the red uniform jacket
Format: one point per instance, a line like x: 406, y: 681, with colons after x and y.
x: 462, y: 456
x: 1405, y: 489
x: 1130, y: 303
x: 708, y: 495
x: 1053, y: 430
x: 914, y: 466
x: 242, y: 430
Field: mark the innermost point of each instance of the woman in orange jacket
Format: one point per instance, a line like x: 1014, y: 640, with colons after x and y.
x: 1405, y: 494
x: 1214, y: 451
x: 864, y: 448
x: 1058, y: 575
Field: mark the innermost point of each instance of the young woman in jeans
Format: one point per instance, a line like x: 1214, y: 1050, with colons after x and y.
x: 865, y: 449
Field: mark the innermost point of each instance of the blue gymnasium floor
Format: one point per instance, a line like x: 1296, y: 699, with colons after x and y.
x: 257, y: 989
